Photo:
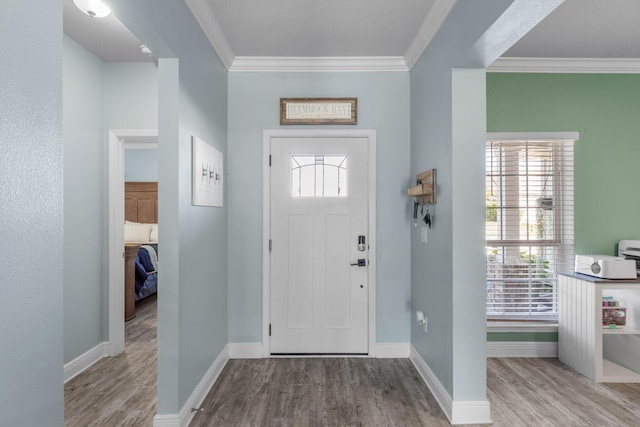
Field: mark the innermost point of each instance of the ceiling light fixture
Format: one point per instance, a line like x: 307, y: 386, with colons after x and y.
x: 93, y: 8
x: 146, y: 50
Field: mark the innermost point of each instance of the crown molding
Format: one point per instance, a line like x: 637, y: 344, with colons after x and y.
x: 318, y: 64
x: 436, y: 16
x: 566, y: 65
x: 211, y: 28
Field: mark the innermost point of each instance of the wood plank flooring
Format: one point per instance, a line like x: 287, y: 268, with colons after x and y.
x: 389, y: 392
x: 546, y: 392
x: 120, y: 390
x: 320, y: 392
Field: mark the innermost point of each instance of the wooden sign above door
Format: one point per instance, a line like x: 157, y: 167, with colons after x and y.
x: 318, y: 111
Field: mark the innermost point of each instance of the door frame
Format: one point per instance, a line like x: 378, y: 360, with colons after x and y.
x: 267, y: 136
x: 118, y: 141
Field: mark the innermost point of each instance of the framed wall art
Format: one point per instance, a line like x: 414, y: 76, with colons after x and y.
x: 208, y: 173
x: 318, y: 111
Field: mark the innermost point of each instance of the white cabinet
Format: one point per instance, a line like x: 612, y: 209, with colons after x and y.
x: 597, y: 352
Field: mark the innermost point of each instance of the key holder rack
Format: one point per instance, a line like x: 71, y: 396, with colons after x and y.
x: 425, y: 189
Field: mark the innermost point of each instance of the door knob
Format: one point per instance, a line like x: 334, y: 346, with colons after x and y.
x: 361, y: 262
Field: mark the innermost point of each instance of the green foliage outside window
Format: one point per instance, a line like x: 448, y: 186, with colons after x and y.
x: 492, y: 209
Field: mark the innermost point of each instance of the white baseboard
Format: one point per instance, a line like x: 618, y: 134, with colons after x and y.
x: 457, y: 412
x: 392, y: 350
x: 197, y: 397
x: 522, y: 349
x: 471, y: 412
x: 169, y: 420
x: 437, y: 389
x: 253, y: 350
x: 245, y: 350
x: 84, y: 361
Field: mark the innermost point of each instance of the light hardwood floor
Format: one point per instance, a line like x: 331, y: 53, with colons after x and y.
x: 389, y: 392
x: 120, y: 390
x: 319, y: 392
x: 546, y: 392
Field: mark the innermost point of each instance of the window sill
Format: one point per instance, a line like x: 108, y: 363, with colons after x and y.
x: 522, y: 327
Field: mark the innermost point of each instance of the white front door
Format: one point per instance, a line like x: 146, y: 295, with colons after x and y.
x: 319, y: 210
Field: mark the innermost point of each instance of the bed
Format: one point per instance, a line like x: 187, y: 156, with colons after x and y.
x: 141, y: 243
x: 146, y: 275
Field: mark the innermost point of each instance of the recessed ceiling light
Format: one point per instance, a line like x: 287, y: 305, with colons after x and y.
x: 93, y: 8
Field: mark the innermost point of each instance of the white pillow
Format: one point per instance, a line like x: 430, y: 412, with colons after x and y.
x: 153, y: 234
x: 137, y: 233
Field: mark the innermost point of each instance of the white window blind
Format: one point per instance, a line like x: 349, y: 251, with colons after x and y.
x: 529, y: 225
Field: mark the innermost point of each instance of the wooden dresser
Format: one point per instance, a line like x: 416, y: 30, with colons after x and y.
x: 130, y: 252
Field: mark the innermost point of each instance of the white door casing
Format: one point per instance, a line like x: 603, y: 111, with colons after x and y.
x: 314, y: 301
x: 118, y: 141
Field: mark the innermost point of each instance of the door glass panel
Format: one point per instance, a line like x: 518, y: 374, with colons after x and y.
x: 318, y: 176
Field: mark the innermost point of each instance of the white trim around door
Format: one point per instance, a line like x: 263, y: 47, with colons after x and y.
x: 268, y: 134
x: 118, y: 141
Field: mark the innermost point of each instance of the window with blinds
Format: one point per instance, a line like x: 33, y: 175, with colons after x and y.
x: 529, y: 226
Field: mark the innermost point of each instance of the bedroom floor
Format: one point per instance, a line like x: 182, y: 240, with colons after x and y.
x: 120, y: 390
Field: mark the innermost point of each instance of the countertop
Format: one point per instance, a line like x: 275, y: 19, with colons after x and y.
x: 594, y: 279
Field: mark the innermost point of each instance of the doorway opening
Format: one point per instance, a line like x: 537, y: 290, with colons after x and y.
x: 119, y: 140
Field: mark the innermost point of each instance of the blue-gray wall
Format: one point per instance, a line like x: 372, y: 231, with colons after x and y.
x: 84, y: 171
x: 140, y: 165
x: 193, y: 100
x: 130, y: 102
x: 130, y: 96
x: 97, y: 97
x: 31, y: 217
x: 383, y: 105
x: 447, y: 133
x: 192, y: 296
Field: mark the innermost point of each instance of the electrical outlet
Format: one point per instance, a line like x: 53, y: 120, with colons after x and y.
x: 421, y: 320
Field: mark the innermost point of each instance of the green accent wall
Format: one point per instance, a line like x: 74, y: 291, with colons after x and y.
x: 523, y: 336
x: 604, y: 109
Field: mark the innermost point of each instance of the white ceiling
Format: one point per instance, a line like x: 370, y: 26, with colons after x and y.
x: 585, y: 29
x: 106, y: 37
x: 286, y: 29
